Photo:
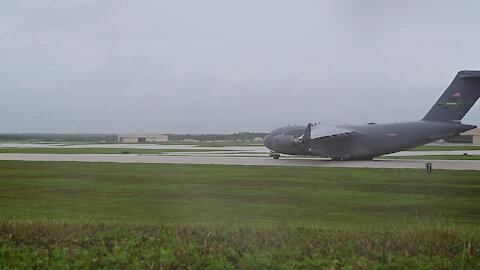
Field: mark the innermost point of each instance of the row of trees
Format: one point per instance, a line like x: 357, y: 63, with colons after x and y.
x: 242, y: 136
x: 37, y: 137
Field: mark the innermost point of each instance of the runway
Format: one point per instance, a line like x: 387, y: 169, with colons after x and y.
x: 263, y: 161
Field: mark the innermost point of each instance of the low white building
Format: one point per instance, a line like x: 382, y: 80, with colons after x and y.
x: 142, y: 138
x: 470, y: 136
x: 475, y: 134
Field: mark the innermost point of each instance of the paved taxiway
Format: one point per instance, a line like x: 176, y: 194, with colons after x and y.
x: 229, y: 160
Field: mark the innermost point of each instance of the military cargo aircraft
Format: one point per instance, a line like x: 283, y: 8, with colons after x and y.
x: 364, y: 142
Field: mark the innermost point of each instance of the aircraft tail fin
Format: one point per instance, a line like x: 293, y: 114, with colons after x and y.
x: 457, y: 100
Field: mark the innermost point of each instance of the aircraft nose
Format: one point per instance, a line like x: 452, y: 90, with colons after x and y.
x: 268, y: 141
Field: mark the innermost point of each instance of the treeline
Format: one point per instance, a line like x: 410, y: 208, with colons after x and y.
x: 37, y: 137
x: 241, y: 136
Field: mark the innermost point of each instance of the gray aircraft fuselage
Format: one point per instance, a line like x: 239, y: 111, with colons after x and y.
x: 363, y: 142
x: 370, y: 141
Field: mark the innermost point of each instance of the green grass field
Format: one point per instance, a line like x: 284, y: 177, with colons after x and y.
x: 235, y: 194
x: 436, y: 157
x: 96, y: 150
x: 445, y: 148
x: 94, y: 215
x: 218, y: 144
x: 205, y: 144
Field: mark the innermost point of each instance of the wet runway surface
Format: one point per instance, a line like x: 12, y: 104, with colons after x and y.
x: 234, y: 160
x: 234, y: 155
x: 258, y: 150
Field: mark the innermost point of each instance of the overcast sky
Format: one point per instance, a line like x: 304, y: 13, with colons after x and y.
x: 228, y: 66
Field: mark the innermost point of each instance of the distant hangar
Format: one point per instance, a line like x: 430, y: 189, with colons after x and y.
x: 471, y: 136
x: 142, y: 138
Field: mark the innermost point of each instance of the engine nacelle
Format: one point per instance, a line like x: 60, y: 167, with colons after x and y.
x: 286, y: 143
x: 297, y: 141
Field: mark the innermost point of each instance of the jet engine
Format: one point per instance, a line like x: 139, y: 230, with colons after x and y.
x: 283, y: 141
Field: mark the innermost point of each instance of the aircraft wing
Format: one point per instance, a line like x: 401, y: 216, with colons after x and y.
x: 324, y: 131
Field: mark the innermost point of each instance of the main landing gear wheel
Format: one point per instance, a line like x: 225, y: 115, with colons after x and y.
x: 275, y: 155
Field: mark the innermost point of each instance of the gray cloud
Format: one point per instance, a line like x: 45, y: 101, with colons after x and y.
x: 224, y: 66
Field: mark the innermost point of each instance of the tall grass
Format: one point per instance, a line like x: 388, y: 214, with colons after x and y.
x: 53, y: 245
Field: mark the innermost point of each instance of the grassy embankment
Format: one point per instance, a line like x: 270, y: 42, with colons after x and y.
x: 58, y: 245
x: 165, y: 215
